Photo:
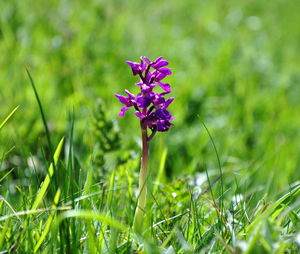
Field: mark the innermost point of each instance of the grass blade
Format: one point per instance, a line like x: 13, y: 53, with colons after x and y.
x: 44, y: 122
x: 44, y: 187
x: 271, y: 211
x: 9, y: 116
x: 160, y: 173
x: 91, y: 215
x: 49, y: 221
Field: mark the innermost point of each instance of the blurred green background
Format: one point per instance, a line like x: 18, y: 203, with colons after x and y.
x: 235, y: 67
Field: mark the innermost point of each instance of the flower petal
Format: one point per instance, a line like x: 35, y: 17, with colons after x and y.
x: 135, y: 67
x: 157, y: 59
x: 168, y: 102
x: 165, y: 71
x: 164, y: 86
x: 131, y: 95
x: 146, y: 59
x: 160, y: 64
x: 144, y: 101
x: 123, y: 99
x: 159, y: 77
x: 121, y: 114
x: 163, y: 125
x: 139, y: 114
x: 164, y: 114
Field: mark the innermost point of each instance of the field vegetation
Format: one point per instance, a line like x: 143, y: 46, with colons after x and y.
x: 224, y: 179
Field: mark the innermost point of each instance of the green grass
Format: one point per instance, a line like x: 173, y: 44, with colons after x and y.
x: 224, y: 179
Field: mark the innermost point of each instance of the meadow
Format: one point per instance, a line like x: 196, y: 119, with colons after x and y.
x: 224, y: 179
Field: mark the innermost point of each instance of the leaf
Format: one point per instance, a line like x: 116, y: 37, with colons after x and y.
x: 48, y: 222
x: 160, y: 174
x: 273, y: 209
x: 44, y: 187
x: 9, y: 116
x: 91, y: 215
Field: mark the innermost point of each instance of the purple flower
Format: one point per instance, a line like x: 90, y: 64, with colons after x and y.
x: 151, y: 107
x: 160, y: 64
x: 136, y: 67
x: 127, y: 101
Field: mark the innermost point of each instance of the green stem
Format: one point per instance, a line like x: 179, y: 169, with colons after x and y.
x: 140, y: 209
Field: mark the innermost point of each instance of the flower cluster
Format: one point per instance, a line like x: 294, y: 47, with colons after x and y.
x: 151, y: 107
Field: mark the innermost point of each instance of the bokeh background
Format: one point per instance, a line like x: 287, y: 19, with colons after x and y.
x: 235, y: 67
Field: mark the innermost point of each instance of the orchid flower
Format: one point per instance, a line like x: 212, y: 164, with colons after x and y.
x: 152, y: 110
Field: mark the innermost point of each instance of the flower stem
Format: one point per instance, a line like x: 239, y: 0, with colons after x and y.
x: 140, y: 209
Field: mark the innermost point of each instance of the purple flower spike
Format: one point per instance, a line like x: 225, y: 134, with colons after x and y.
x: 150, y: 106
x: 151, y: 109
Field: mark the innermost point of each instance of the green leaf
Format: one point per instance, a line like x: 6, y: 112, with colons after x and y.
x: 44, y: 187
x: 273, y: 209
x: 48, y: 222
x: 91, y: 215
x: 9, y: 116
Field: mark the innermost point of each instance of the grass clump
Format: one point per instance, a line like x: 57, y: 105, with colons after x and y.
x: 69, y: 167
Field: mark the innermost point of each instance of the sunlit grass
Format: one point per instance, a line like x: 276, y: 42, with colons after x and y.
x: 236, y: 89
